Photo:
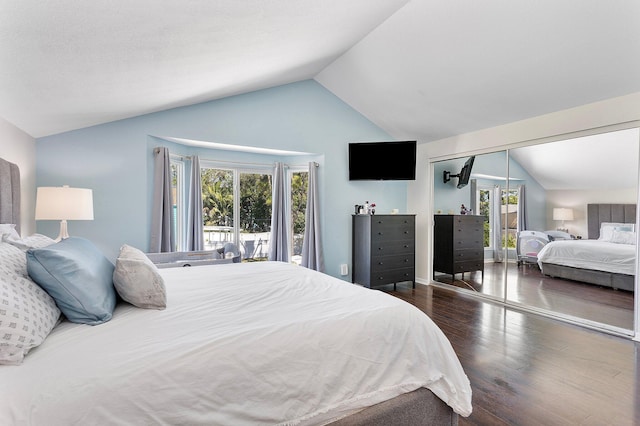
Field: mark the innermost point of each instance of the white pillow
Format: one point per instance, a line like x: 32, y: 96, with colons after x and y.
x: 9, y: 229
x: 623, y: 237
x: 607, y: 228
x: 27, y: 316
x: 34, y: 241
x: 138, y: 281
x: 12, y: 260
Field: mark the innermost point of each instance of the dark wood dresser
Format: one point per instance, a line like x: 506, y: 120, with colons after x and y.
x: 383, y: 249
x: 458, y: 245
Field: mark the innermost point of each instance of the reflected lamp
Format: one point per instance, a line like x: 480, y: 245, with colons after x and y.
x: 562, y: 214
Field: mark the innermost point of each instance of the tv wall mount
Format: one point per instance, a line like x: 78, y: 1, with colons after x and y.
x: 446, y: 176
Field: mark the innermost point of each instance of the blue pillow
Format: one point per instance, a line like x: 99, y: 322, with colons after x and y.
x: 78, y: 277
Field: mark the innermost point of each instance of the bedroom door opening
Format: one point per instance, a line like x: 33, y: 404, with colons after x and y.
x: 546, y: 189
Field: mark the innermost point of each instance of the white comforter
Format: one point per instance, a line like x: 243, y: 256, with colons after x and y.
x: 239, y: 344
x: 590, y: 254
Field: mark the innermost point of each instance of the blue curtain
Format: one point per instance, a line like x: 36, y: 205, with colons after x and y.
x: 312, y: 257
x: 163, y: 237
x: 278, y: 240
x: 496, y: 221
x: 522, y: 209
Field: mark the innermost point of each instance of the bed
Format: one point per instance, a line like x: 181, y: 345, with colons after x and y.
x: 236, y: 343
x: 607, y: 258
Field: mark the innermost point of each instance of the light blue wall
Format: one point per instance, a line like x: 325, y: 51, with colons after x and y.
x: 114, y: 159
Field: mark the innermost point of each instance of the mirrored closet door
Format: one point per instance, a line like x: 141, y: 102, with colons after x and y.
x: 558, y: 227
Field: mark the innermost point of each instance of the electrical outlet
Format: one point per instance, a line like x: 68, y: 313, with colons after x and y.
x: 344, y: 269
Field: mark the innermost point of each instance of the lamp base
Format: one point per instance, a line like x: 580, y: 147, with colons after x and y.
x: 63, y: 231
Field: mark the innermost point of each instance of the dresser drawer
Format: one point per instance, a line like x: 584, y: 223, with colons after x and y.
x: 392, y: 276
x: 379, y: 248
x: 392, y: 230
x: 382, y: 263
x: 469, y: 265
x: 461, y: 255
x: 468, y: 240
x: 391, y: 222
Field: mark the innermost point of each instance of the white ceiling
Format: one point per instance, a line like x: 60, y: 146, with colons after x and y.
x: 607, y: 161
x: 67, y: 64
x: 420, y: 69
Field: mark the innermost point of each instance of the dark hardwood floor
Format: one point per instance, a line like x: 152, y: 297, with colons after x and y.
x: 526, y: 369
x: 528, y: 286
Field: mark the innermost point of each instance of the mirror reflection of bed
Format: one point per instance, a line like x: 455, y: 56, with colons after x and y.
x: 574, y: 173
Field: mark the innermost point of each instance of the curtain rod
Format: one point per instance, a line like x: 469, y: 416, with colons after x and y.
x: 189, y: 157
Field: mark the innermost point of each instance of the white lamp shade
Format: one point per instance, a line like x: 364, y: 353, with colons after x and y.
x: 562, y: 214
x: 64, y: 203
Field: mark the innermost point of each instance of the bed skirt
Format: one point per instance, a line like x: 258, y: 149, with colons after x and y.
x: 420, y: 407
x: 602, y: 278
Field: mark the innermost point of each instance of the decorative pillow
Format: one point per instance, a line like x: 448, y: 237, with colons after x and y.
x: 9, y: 229
x: 26, y: 243
x: 27, y: 316
x: 12, y: 260
x: 607, y: 228
x: 137, y: 280
x: 78, y: 276
x: 623, y: 237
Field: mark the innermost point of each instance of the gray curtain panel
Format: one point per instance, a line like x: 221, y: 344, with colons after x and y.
x: 522, y: 209
x: 496, y: 220
x: 473, y: 198
x: 10, y: 193
x: 195, y: 230
x: 162, y: 234
x: 312, y: 256
x: 278, y: 241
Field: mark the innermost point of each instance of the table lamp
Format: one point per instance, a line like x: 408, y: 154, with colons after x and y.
x: 64, y: 203
x: 562, y: 214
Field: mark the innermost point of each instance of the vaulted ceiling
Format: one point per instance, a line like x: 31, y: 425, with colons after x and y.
x: 420, y: 69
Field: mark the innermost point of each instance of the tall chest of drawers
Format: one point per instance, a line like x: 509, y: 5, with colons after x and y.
x: 458, y: 244
x: 383, y: 249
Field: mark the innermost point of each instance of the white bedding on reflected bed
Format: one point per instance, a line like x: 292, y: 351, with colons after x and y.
x: 590, y: 254
x: 238, y: 344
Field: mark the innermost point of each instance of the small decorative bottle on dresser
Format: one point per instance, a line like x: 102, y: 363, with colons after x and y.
x: 383, y: 249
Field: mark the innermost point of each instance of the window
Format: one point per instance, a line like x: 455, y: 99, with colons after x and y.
x: 255, y: 214
x: 178, y: 202
x: 299, y: 181
x: 218, y: 209
x: 484, y: 209
x: 236, y: 207
x: 509, y: 212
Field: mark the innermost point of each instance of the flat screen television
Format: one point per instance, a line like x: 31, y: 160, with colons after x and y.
x: 464, y: 175
x: 382, y: 160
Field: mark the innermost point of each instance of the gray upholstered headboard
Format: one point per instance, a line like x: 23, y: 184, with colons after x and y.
x: 598, y: 213
x: 9, y: 193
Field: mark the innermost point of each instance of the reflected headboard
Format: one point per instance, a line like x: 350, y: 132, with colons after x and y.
x: 598, y: 213
x: 9, y: 193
